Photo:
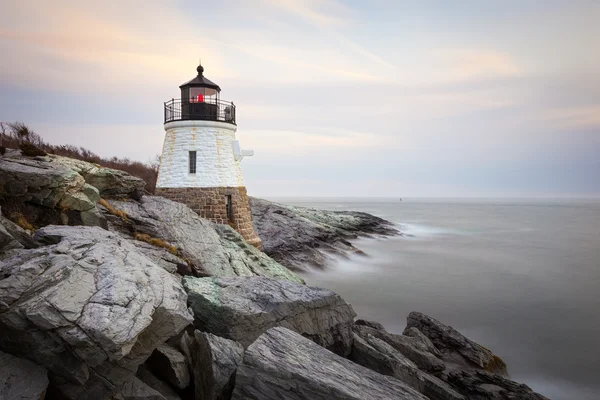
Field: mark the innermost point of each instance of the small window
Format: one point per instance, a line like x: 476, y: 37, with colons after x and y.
x: 229, y: 206
x: 192, y: 162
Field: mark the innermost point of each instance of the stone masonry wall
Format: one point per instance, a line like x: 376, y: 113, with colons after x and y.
x: 210, y: 203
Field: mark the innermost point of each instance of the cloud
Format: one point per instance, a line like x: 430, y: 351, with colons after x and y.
x: 581, y: 117
x: 325, y: 13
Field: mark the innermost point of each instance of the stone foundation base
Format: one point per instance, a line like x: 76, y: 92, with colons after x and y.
x: 211, y: 203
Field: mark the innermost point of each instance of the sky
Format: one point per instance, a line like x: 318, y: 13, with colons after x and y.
x: 423, y: 98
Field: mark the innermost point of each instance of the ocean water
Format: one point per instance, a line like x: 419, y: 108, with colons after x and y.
x: 521, y: 277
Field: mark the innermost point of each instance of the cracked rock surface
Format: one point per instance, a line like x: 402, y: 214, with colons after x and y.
x: 283, y: 365
x: 300, y: 237
x: 242, y: 309
x: 212, y: 249
x: 40, y: 181
x: 88, y: 306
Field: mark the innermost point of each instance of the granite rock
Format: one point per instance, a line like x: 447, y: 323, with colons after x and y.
x: 410, y: 347
x: 379, y: 356
x: 283, y: 365
x: 457, y: 351
x: 301, y: 237
x: 214, y: 361
x: 211, y: 249
x: 242, y: 309
x: 87, y: 306
x: 108, y: 181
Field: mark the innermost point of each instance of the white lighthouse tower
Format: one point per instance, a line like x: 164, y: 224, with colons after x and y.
x: 200, y: 161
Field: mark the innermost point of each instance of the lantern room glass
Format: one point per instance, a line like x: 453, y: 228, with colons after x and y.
x: 203, y: 95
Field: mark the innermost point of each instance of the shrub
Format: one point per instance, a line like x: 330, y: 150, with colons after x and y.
x: 29, y: 150
x: 15, y: 134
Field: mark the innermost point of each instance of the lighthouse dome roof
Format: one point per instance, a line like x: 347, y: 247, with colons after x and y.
x: 201, y: 81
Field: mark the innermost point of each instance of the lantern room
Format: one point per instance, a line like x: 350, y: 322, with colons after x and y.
x: 200, y: 100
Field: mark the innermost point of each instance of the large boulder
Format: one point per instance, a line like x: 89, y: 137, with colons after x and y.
x: 110, y: 182
x: 40, y: 181
x: 214, y: 361
x: 242, y: 309
x: 283, y: 365
x: 300, y: 237
x: 87, y: 306
x: 458, y: 351
x: 21, y: 379
x: 375, y: 354
x: 212, y: 249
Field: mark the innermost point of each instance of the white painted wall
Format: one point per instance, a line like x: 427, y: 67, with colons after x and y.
x: 216, y: 164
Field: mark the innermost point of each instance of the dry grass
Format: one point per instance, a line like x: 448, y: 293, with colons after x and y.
x: 20, y: 220
x: 113, y: 210
x: 157, y: 242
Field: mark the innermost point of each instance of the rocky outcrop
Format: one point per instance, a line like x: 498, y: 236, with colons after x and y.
x: 481, y: 385
x: 211, y: 249
x: 108, y: 181
x: 170, y: 365
x: 437, y: 361
x: 375, y: 354
x: 21, y: 379
x: 88, y: 306
x: 283, y: 365
x: 242, y: 309
x: 300, y: 237
x: 214, y: 361
x: 40, y: 181
x: 426, y: 358
x: 458, y: 351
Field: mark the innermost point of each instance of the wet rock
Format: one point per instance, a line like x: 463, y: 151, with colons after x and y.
x: 242, y: 309
x: 212, y: 249
x: 377, y: 355
x: 21, y: 379
x: 456, y: 349
x: 299, y: 237
x: 411, y: 348
x: 282, y: 365
x: 214, y: 361
x: 170, y: 365
x: 87, y: 306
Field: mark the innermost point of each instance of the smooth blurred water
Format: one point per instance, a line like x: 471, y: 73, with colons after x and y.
x: 520, y: 277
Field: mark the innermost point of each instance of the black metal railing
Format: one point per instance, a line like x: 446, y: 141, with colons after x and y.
x: 208, y: 110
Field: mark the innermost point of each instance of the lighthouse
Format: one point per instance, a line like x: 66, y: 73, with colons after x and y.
x: 200, y: 161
